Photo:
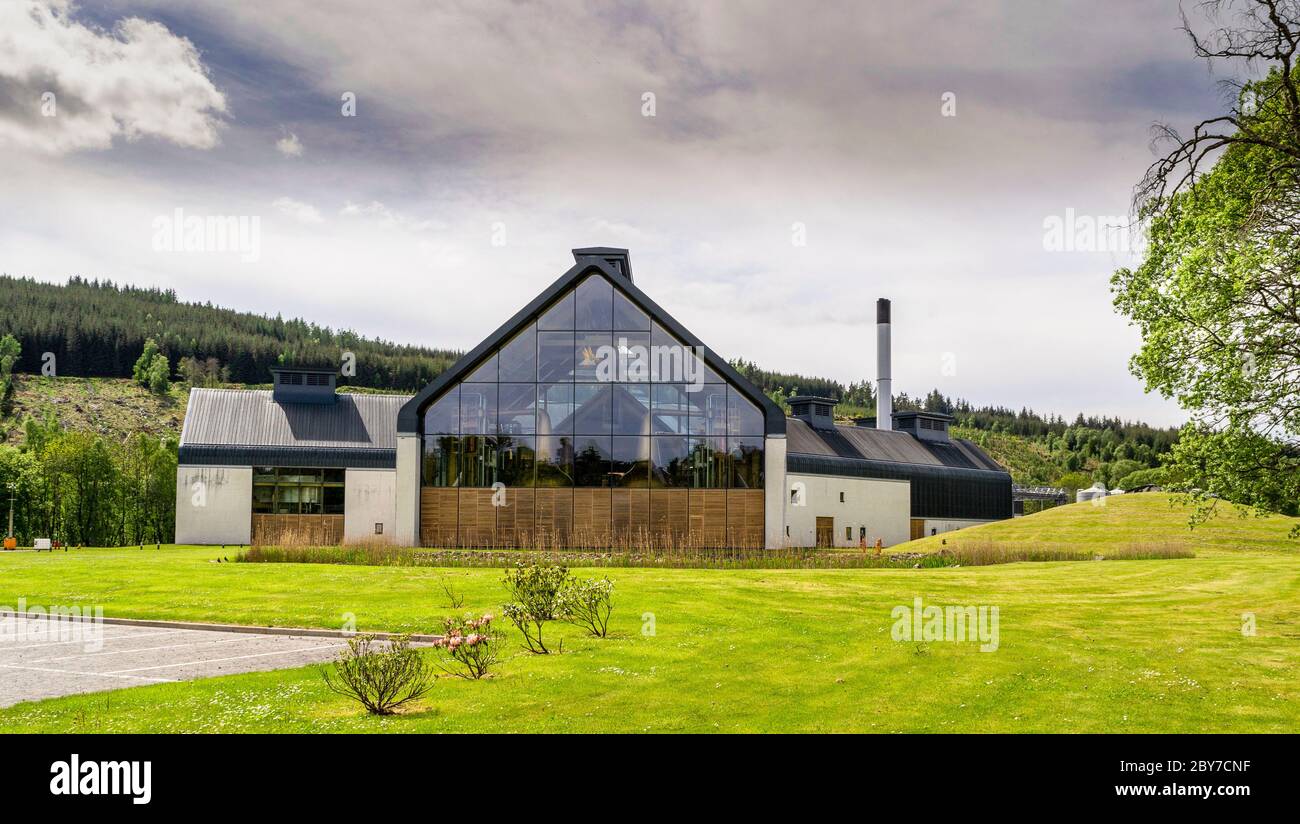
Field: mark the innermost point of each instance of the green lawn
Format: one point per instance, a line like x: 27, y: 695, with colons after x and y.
x: 1132, y: 646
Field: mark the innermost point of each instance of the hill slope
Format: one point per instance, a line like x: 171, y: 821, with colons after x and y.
x: 1143, y: 518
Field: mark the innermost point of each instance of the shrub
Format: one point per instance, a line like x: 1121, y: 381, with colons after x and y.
x: 587, y: 604
x: 470, y: 646
x: 382, y: 677
x: 534, y: 600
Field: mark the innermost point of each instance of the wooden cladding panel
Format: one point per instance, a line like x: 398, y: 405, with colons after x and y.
x: 631, y: 515
x: 477, y: 518
x: 669, y: 516
x: 438, y: 516
x: 554, y: 516
x: 591, y: 517
x: 708, y: 517
x: 297, y: 530
x: 515, y: 519
x: 745, y: 523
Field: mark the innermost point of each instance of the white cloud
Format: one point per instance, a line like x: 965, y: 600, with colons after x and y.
x: 289, y: 145
x: 299, y: 211
x: 139, y: 80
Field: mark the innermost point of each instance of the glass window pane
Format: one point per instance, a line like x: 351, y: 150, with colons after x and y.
x: 669, y: 462
x: 591, y: 460
x: 593, y: 408
x: 516, y: 403
x: 559, y: 316
x: 743, y: 417
x: 554, y: 460
x: 442, y: 417
x: 264, y: 474
x: 333, y: 500
x: 441, y: 460
x: 485, y: 373
x: 516, y: 461
x: 630, y: 462
x: 631, y: 408
x: 709, y: 463
x: 478, y: 461
x: 633, y: 356
x: 746, y: 462
x: 674, y: 361
x: 311, y: 500
x: 594, y: 357
x: 669, y: 410
x: 555, y: 408
x: 263, y: 498
x: 708, y: 405
x: 595, y: 304
x: 518, y: 359
x: 627, y: 317
x: 334, y: 476
x: 554, y: 356
x: 478, y: 409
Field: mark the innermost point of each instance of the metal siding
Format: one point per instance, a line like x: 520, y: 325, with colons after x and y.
x: 250, y: 418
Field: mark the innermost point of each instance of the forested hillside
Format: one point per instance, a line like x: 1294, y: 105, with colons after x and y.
x: 99, y: 329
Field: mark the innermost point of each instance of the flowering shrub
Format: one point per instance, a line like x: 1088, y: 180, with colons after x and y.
x: 470, y: 646
x: 381, y: 677
x: 535, y: 599
x: 587, y: 603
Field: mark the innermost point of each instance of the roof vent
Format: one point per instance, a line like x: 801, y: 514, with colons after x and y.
x: 924, y: 426
x: 296, y: 385
x: 817, y: 412
x: 618, y: 259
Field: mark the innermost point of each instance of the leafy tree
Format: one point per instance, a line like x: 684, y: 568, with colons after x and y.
x: 1217, y: 297
x: 10, y: 349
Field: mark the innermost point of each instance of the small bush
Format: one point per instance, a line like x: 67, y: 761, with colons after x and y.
x: 382, y: 677
x: 534, y: 600
x: 470, y: 646
x: 587, y: 604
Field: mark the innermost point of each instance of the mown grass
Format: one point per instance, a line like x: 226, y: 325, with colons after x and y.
x: 1115, y: 646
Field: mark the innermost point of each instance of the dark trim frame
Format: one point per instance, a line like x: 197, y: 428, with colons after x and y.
x: 408, y: 419
x: 309, y: 456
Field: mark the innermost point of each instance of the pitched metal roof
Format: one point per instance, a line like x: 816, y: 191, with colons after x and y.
x: 250, y: 418
x: 866, y: 443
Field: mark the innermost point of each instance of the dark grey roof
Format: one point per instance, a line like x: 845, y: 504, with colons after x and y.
x: 249, y: 418
x: 866, y: 443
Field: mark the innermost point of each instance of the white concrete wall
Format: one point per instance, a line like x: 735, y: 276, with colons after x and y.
x: 884, y: 507
x: 369, y: 498
x: 407, y: 529
x: 214, y: 504
x: 941, y: 525
x: 774, y: 495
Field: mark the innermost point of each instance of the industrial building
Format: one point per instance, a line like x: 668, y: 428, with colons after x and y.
x: 590, y: 418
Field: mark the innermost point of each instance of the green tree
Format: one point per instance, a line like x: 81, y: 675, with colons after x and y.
x: 10, y: 349
x: 1217, y: 296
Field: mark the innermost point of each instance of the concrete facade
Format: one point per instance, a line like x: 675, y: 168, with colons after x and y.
x: 214, y: 504
x: 774, y: 498
x: 407, y: 485
x: 881, y: 507
x: 369, y: 499
x: 941, y: 525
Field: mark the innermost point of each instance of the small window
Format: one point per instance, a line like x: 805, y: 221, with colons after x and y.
x: 379, y: 528
x: 934, y: 531
x: 862, y: 532
x: 848, y: 533
x: 787, y: 530
x: 841, y: 497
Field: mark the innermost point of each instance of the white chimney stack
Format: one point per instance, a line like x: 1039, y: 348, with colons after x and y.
x: 884, y: 379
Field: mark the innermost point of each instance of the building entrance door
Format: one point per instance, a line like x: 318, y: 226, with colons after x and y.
x: 825, y: 531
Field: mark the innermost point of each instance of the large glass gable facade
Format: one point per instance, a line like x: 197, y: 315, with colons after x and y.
x: 593, y: 394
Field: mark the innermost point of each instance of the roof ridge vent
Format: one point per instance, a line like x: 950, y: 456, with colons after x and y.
x: 618, y: 259
x: 303, y: 385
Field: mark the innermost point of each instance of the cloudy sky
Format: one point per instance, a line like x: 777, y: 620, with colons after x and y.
x: 793, y: 165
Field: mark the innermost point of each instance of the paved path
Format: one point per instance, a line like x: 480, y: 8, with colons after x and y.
x: 43, y: 659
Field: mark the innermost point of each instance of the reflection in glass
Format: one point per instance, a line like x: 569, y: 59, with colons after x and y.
x: 518, y: 359
x: 630, y: 462
x: 515, y: 408
x: 516, y: 461
x: 591, y: 460
x: 595, y: 304
x: 443, y: 416
x: 746, y: 462
x: 669, y: 462
x: 631, y: 408
x: 594, y: 357
x: 708, y: 409
x: 478, y: 409
x: 593, y: 413
x: 743, y: 417
x: 554, y: 356
x: 709, y: 463
x: 627, y: 317
x: 669, y: 410
x: 485, y: 373
x: 441, y: 460
x: 634, y: 356
x: 478, y: 461
x: 555, y: 408
x: 554, y: 460
x: 559, y: 316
